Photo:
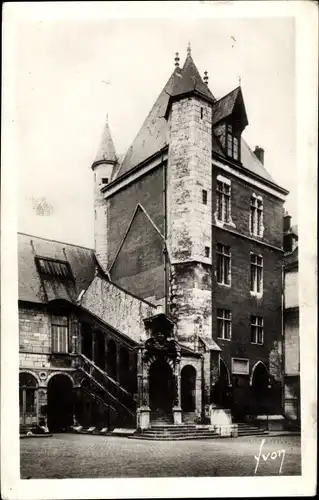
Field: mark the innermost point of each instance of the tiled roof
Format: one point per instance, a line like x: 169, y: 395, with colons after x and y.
x: 34, y: 287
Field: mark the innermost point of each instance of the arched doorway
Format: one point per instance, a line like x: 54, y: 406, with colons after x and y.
x: 111, y: 361
x: 188, y: 388
x: 259, y: 389
x: 124, y: 369
x: 60, y: 403
x: 222, y: 391
x: 28, y: 388
x: 100, y: 349
x: 162, y: 387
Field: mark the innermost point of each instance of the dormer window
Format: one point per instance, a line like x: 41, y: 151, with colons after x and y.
x: 232, y: 143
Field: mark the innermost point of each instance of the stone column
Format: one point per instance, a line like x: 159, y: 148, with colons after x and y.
x: 143, y: 411
x: 177, y: 410
x: 42, y: 403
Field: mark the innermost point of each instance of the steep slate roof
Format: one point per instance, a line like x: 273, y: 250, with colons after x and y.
x: 153, y: 134
x: 106, y: 151
x: 33, y: 288
x: 224, y: 107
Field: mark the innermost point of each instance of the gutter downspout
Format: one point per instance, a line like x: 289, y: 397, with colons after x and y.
x: 165, y: 233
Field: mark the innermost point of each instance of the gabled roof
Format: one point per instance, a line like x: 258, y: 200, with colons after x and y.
x: 106, y: 151
x: 41, y: 288
x: 153, y: 134
x: 227, y: 105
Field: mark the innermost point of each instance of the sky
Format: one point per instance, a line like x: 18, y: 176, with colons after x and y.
x: 72, y: 72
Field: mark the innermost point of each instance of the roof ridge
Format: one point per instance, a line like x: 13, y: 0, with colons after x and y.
x: 230, y: 92
x: 55, y: 241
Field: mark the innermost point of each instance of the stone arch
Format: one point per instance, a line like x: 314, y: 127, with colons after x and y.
x: 162, y: 388
x: 30, y: 372
x: 28, y: 397
x: 188, y: 388
x: 223, y: 366
x: 60, y: 373
x: 259, y: 389
x: 259, y: 362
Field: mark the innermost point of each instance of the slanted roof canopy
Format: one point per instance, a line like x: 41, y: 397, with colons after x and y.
x: 232, y: 107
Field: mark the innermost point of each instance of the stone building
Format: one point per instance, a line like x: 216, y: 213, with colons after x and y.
x: 291, y: 323
x: 178, y: 309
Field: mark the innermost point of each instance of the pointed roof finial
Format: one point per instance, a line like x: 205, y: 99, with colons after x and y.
x: 239, y: 80
x: 177, y: 60
x: 205, y: 77
x: 189, y: 49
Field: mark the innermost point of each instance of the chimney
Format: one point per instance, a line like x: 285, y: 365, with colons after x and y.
x: 287, y: 222
x: 260, y: 153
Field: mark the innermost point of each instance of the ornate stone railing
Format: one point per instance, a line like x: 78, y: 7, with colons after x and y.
x: 115, y: 392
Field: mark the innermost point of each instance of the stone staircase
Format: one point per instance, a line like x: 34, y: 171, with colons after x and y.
x: 174, y: 432
x: 245, y: 429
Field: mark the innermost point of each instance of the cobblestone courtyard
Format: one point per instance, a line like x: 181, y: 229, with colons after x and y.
x: 80, y: 456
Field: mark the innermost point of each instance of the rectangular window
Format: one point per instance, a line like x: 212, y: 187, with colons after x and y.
x: 58, y: 268
x: 224, y: 324
x: 204, y: 196
x: 207, y: 251
x: 105, y: 180
x: 233, y: 145
x: 256, y: 273
x: 223, y: 201
x: 60, y: 334
x: 256, y: 215
x: 223, y: 264
x: 257, y: 330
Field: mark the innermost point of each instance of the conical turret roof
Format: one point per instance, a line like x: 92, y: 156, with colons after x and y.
x: 106, y: 151
x: 153, y: 134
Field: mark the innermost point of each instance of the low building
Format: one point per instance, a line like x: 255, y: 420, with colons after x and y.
x: 291, y: 323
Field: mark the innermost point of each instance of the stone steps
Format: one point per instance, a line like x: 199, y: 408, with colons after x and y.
x: 175, y: 432
x: 250, y: 430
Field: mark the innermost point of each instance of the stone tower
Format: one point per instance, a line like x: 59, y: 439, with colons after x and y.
x: 189, y: 180
x: 103, y: 168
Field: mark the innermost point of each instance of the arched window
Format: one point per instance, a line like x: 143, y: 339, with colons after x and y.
x: 27, y: 397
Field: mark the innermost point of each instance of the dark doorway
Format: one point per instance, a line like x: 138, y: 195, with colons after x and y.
x: 100, y: 349
x: 221, y: 390
x: 60, y: 403
x: 124, y: 371
x: 162, y: 387
x: 188, y: 388
x: 259, y: 390
x: 87, y: 341
x: 111, y: 360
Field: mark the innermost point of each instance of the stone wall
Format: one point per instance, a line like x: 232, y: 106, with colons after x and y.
x: 119, y: 309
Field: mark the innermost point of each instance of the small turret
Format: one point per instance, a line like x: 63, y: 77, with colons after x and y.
x: 103, y: 167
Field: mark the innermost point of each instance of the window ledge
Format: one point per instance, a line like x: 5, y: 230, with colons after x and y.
x: 221, y: 338
x: 258, y: 295
x: 224, y: 284
x: 222, y: 224
x: 257, y: 343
